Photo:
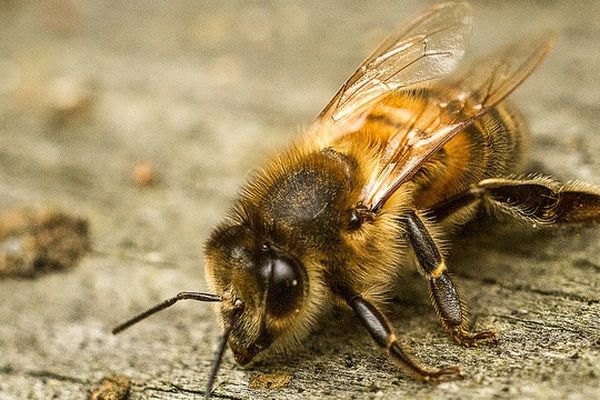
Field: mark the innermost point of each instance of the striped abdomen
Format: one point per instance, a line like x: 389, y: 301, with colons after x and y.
x: 490, y: 147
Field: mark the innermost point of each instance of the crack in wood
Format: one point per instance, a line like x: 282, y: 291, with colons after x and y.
x: 544, y: 324
x: 175, y: 389
x: 43, y: 374
x: 528, y: 289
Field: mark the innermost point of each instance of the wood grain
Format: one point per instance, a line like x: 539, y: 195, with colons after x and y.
x: 204, y: 91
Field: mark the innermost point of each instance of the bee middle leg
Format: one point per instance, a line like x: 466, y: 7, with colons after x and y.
x: 444, y: 295
x: 380, y: 330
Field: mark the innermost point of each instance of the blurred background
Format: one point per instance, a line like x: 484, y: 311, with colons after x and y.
x: 144, y: 117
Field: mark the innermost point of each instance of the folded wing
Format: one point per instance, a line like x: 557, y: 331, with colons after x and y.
x: 427, y: 48
x: 451, y: 105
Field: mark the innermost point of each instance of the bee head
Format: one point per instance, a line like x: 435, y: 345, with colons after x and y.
x: 263, y: 287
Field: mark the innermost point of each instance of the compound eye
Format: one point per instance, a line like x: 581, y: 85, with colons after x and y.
x: 286, y: 286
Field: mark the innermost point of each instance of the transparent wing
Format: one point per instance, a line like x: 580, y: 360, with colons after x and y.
x: 452, y: 104
x: 427, y: 48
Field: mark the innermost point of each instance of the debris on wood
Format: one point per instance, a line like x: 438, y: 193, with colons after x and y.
x: 274, y: 380
x: 34, y: 242
x: 144, y: 174
x: 115, y: 387
x: 70, y: 98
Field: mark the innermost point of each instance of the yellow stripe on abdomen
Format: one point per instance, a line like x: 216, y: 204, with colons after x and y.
x: 491, y: 147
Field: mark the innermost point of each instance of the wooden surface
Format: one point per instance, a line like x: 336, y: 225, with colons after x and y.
x: 204, y: 91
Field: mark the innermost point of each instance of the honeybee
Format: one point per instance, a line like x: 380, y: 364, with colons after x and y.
x: 408, y: 149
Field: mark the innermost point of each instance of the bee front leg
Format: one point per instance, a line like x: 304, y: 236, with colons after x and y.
x: 444, y: 295
x: 380, y: 330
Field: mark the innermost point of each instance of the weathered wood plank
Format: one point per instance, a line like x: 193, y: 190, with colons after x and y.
x: 204, y: 91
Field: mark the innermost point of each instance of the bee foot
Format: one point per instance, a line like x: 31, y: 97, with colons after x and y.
x: 469, y: 339
x: 448, y: 373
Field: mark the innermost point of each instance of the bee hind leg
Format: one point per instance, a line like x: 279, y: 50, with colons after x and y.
x: 380, y: 330
x: 445, y: 297
x: 537, y: 200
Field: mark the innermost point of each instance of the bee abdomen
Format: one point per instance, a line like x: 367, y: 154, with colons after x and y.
x: 491, y: 147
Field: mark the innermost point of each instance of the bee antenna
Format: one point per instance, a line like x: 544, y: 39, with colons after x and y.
x: 217, y: 362
x: 199, y: 296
